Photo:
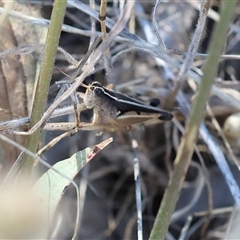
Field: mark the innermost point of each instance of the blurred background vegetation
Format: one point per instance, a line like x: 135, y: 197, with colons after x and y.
x: 205, y: 205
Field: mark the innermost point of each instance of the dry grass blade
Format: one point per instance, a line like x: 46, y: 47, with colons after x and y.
x: 156, y: 28
x: 192, y: 50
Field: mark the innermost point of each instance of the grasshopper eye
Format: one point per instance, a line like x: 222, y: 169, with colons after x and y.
x: 154, y: 102
x: 98, y: 92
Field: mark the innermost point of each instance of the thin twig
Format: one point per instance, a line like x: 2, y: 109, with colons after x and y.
x: 107, y: 54
x: 156, y: 28
x: 192, y: 51
x: 55, y: 141
x: 138, y: 191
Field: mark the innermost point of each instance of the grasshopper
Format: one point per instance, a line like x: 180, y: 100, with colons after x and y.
x: 113, y: 110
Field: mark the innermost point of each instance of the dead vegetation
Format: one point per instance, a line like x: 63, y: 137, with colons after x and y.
x: 160, y: 54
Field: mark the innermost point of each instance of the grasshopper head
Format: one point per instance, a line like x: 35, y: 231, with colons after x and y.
x: 93, y: 94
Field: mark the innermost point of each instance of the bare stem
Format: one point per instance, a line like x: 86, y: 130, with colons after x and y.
x: 43, y: 83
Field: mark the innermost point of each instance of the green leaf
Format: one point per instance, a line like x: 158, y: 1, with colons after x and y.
x: 50, y: 186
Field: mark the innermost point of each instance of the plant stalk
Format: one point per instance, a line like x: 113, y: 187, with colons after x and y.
x: 186, y: 147
x: 41, y: 93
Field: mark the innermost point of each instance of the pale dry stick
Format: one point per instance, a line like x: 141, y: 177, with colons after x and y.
x: 12, y: 125
x: 102, y: 17
x: 218, y: 128
x: 86, y: 57
x: 151, y: 46
x: 156, y: 28
x: 192, y: 51
x: 74, y: 99
x: 55, y: 141
x: 22, y: 50
x: 109, y: 22
x: 211, y: 13
x: 118, y: 27
x: 34, y: 156
x: 80, y: 66
x: 16, y: 124
x: 218, y: 211
x: 68, y: 56
x: 138, y: 195
x: 224, y: 56
x: 45, y: 23
x: 204, y: 55
x: 93, y: 25
x: 232, y: 231
x: 132, y: 23
x: 195, y: 227
x: 185, y: 228
x: 93, y: 22
x: 121, y: 5
x: 31, y: 47
x: 107, y: 54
